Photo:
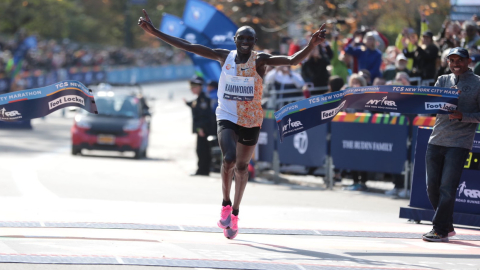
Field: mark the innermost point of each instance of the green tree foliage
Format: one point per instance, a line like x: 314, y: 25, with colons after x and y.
x: 114, y: 22
x: 107, y: 22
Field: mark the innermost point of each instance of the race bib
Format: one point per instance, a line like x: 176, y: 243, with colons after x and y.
x: 239, y: 88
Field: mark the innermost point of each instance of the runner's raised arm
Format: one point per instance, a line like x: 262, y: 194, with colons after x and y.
x: 295, y: 59
x: 214, y: 54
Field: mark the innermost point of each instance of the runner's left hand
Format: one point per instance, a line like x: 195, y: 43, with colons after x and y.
x: 319, y: 36
x: 455, y: 115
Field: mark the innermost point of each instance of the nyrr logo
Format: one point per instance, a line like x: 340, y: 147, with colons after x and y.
x: 223, y: 39
x: 382, y: 101
x: 9, y: 115
x: 300, y: 142
x: 469, y: 193
x: 440, y: 106
x: 291, y: 124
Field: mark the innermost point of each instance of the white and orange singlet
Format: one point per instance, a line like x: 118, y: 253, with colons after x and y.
x: 240, y: 92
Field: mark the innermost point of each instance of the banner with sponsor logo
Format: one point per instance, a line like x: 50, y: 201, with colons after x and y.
x: 468, y: 192
x: 305, y: 114
x: 39, y: 102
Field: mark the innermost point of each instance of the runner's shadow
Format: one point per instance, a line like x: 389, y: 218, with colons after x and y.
x: 315, y: 255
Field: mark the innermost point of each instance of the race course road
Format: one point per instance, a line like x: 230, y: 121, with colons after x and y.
x: 102, y: 210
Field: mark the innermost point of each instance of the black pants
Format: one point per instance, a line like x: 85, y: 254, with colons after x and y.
x: 204, y: 155
x: 444, y: 170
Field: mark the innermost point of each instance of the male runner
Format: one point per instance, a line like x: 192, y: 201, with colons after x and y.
x: 239, y: 112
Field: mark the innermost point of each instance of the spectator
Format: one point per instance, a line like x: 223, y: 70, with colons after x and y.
x: 357, y: 40
x: 400, y: 66
x: 366, y: 75
x: 424, y: 59
x: 314, y: 70
x: 356, y: 81
x: 212, y: 90
x: 335, y: 83
x: 403, y: 78
x: 293, y: 46
x: 389, y: 60
x: 359, y: 178
x: 283, y: 79
x: 476, y: 69
x: 402, y: 43
x: 212, y: 94
x: 369, y: 57
x: 340, y: 62
x: 444, y: 68
x: 379, y: 81
x: 201, y: 113
x: 472, y: 38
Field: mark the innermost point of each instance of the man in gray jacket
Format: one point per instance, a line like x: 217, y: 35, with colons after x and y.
x: 450, y: 143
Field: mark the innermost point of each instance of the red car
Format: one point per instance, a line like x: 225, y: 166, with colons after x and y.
x: 121, y: 125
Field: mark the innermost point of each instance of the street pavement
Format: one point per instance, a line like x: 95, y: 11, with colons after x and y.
x: 105, y: 210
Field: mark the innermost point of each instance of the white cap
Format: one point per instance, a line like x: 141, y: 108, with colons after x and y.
x: 401, y: 56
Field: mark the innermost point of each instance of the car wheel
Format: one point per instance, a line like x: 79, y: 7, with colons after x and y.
x: 76, y: 150
x: 138, y: 154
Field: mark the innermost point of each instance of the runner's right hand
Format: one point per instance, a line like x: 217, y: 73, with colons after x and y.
x: 145, y: 23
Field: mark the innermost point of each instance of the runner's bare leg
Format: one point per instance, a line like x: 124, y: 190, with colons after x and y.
x: 244, y: 154
x: 227, y: 139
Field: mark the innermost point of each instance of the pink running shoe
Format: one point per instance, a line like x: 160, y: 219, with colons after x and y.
x: 232, y: 232
x: 225, y: 217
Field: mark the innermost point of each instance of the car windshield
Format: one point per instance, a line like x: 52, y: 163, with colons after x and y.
x: 120, y: 106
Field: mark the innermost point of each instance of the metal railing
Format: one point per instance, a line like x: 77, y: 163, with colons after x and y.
x: 275, y: 102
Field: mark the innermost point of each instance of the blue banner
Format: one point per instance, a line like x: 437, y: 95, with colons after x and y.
x: 35, y: 103
x: 206, y: 19
x: 307, y: 148
x: 172, y: 25
x: 369, y: 147
x: 305, y: 114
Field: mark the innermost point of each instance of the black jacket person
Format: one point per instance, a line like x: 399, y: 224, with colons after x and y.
x: 201, y: 125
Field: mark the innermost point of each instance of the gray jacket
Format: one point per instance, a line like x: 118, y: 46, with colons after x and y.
x: 459, y: 133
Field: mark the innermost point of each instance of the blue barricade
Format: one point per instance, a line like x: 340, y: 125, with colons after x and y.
x: 468, y: 193
x: 16, y: 125
x: 376, y: 145
x: 149, y: 74
x: 95, y: 75
x: 308, y: 148
x: 266, y: 140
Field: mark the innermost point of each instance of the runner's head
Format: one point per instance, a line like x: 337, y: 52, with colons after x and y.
x: 245, y: 39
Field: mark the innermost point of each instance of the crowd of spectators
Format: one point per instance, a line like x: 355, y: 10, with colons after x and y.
x: 50, y: 55
x: 367, y: 58
x: 415, y: 57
